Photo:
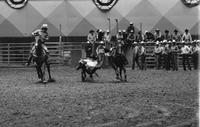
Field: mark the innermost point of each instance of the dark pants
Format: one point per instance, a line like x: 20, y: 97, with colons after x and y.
x: 158, y: 61
x: 88, y: 50
x: 166, y: 61
x: 135, y: 60
x: 195, y: 60
x: 143, y: 62
x: 174, y: 61
x: 186, y: 61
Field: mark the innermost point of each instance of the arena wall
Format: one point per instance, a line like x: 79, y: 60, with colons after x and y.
x: 77, y: 17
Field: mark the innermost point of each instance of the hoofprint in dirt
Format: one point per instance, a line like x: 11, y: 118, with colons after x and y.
x: 152, y: 98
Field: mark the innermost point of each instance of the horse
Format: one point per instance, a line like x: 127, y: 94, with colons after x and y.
x: 88, y: 66
x: 41, y: 59
x: 117, y: 61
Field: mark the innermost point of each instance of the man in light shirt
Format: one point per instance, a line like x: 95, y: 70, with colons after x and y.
x: 142, y: 54
x: 185, y: 51
x: 135, y: 56
x: 107, y: 39
x: 187, y: 36
x: 158, y: 53
x: 174, y: 62
x: 89, y: 47
x: 195, y: 55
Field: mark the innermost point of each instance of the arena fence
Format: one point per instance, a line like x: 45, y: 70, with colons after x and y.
x: 16, y: 54
x: 61, y: 53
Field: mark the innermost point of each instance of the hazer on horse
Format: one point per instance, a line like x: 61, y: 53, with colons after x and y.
x: 117, y: 61
x: 40, y: 54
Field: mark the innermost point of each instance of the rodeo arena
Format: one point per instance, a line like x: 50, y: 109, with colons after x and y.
x: 99, y: 63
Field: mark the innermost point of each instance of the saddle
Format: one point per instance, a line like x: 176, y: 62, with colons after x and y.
x: 35, y: 53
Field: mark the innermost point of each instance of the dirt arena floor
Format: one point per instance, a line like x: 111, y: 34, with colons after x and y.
x: 152, y: 98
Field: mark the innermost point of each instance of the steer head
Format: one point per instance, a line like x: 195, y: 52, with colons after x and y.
x: 81, y: 64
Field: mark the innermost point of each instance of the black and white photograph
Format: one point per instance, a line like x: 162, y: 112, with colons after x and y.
x: 99, y: 63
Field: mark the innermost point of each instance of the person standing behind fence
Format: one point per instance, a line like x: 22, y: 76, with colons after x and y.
x: 195, y: 55
x: 187, y: 36
x: 139, y: 37
x: 165, y: 56
x: 127, y: 45
x: 142, y: 54
x: 100, y: 52
x: 167, y: 36
x: 91, y: 39
x: 131, y: 28
x: 148, y: 36
x: 120, y: 42
x: 185, y: 51
x: 169, y: 56
x: 176, y: 36
x: 135, y: 55
x: 131, y: 38
x: 157, y: 35
x: 174, y: 61
x: 157, y: 54
x: 107, y: 39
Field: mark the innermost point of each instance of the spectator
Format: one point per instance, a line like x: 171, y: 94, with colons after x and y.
x: 131, y: 38
x: 176, y: 36
x: 131, y: 28
x: 135, y: 56
x: 167, y: 36
x: 158, y: 52
x: 174, y: 61
x: 148, y: 36
x: 142, y: 53
x: 91, y: 39
x: 120, y: 42
x: 185, y: 51
x: 139, y: 37
x: 187, y: 36
x: 195, y: 55
x: 107, y: 39
x: 157, y: 35
x: 126, y: 44
x: 100, y: 51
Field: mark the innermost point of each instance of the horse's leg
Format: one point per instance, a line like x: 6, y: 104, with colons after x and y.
x: 120, y: 73
x: 125, y: 76
x: 117, y: 73
x: 48, y: 69
x: 43, y: 68
x: 40, y: 72
x: 36, y: 67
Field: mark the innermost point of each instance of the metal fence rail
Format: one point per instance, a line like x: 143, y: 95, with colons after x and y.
x: 16, y: 54
x: 63, y: 53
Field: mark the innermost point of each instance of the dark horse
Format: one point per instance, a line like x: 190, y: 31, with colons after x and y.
x: 41, y: 60
x: 117, y: 62
x: 88, y: 66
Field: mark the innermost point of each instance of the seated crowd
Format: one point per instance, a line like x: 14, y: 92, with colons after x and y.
x: 167, y: 47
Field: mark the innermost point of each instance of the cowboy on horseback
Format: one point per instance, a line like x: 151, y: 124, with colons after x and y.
x: 41, y: 36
